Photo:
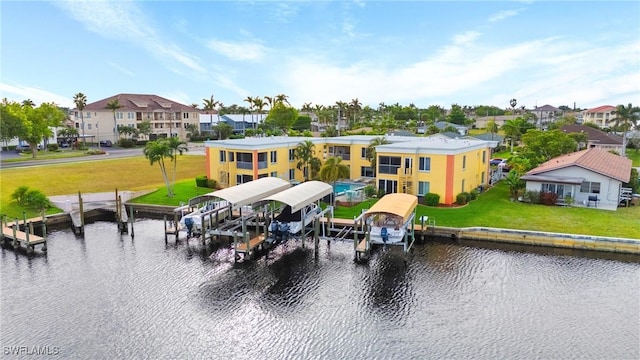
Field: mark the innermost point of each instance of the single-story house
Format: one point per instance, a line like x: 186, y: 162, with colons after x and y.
x: 596, y: 138
x: 592, y: 177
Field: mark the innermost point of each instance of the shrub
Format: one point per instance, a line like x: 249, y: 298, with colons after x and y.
x: 212, y: 184
x: 474, y: 194
x: 381, y: 192
x: 532, y: 196
x: 201, y: 181
x: 19, y: 194
x: 126, y: 143
x: 369, y: 191
x: 36, y: 199
x: 95, y: 152
x: 462, y: 198
x: 548, y: 198
x: 52, y: 147
x: 431, y: 199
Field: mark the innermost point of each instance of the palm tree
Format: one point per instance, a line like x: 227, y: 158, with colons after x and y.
x: 210, y: 105
x: 355, y: 106
x: 492, y: 127
x: 627, y: 117
x: 28, y: 103
x: 282, y: 98
x: 514, y: 128
x: 80, y: 100
x: 513, y: 103
x: 305, y: 152
x: 259, y: 105
x: 250, y: 101
x: 176, y: 147
x: 334, y: 170
x: 156, y: 152
x: 371, y: 151
x: 114, y: 105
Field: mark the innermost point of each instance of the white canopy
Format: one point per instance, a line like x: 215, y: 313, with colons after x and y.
x: 302, y: 195
x: 251, y: 192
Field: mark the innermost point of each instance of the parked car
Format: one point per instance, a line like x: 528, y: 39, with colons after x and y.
x: 495, y: 161
x: 23, y: 148
x: 106, y: 143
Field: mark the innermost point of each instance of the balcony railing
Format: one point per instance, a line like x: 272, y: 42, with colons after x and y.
x: 262, y: 164
x: 244, y: 165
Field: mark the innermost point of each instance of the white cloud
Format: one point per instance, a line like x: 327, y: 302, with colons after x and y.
x: 122, y: 20
x: 238, y: 51
x: 38, y: 96
x: 121, y: 69
x: 465, y: 38
x: 504, y: 14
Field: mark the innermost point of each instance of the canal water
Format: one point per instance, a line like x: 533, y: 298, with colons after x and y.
x: 110, y: 296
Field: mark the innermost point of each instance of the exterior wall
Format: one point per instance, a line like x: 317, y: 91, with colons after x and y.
x: 98, y: 125
x: 603, y: 118
x: 609, y: 188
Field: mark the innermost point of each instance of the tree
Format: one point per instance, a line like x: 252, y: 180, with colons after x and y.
x: 113, y: 105
x: 210, y: 105
x: 514, y: 128
x: 67, y: 133
x: 627, y: 117
x: 144, y: 128
x: 258, y: 104
x: 334, y: 170
x: 515, y: 184
x: 192, y: 130
x: 456, y: 115
x: 355, y: 106
x: 157, y: 151
x: 304, y: 153
x: 80, y: 100
x: 492, y: 128
x: 541, y: 146
x: 11, y: 126
x: 176, y: 147
x: 282, y: 117
x: 223, y: 130
x: 37, y: 123
x: 371, y: 151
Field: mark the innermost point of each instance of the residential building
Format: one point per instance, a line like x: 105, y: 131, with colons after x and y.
x: 238, y: 122
x: 167, y: 117
x: 545, y: 114
x: 592, y: 177
x: 602, y: 116
x: 415, y: 165
x: 500, y: 120
x: 596, y: 138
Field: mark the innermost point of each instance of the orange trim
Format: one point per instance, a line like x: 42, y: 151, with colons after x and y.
x: 207, y: 157
x: 255, y: 164
x: 448, y: 186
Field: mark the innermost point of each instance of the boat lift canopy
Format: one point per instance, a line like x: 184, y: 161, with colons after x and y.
x: 302, y: 195
x: 401, y: 205
x: 247, y: 193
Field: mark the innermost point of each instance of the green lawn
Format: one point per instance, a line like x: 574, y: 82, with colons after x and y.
x: 48, y: 155
x: 184, y: 190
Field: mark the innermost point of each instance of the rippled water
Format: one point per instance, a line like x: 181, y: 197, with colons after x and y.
x: 111, y: 296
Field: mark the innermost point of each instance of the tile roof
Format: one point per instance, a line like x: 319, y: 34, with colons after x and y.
x: 594, y: 159
x: 545, y: 108
x: 140, y: 102
x: 593, y: 135
x: 603, y: 108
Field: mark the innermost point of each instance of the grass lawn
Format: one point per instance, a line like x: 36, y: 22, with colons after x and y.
x: 184, y: 190
x: 634, y: 156
x: 494, y: 209
x: 48, y: 155
x: 93, y: 175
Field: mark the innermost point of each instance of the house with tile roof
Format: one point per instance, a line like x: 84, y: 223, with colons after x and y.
x: 545, y: 114
x: 167, y: 117
x: 596, y: 138
x: 602, y: 116
x: 592, y: 177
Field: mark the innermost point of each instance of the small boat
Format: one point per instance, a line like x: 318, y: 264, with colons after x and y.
x: 193, y: 220
x: 387, y: 229
x: 293, y: 221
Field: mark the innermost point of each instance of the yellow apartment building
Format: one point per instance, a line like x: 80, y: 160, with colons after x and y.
x: 415, y: 165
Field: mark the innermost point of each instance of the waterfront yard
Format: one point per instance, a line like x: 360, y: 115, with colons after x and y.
x: 492, y: 209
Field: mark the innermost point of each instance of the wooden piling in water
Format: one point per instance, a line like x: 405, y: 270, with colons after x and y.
x: 81, y: 206
x: 131, y: 220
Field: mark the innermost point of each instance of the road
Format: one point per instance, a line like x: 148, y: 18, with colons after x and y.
x: 112, y: 153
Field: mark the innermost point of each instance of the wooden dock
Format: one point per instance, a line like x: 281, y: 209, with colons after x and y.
x: 27, y: 238
x: 247, y: 248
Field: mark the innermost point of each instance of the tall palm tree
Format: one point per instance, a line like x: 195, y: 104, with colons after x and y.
x: 332, y: 171
x: 28, y: 102
x: 627, y: 117
x: 259, y: 105
x: 492, y: 127
x: 355, y: 106
x: 514, y: 128
x: 176, y: 147
x: 270, y: 101
x: 371, y: 151
x: 80, y: 100
x: 249, y: 100
x: 157, y: 151
x: 305, y: 152
x: 210, y: 105
x: 282, y: 98
x: 114, y: 105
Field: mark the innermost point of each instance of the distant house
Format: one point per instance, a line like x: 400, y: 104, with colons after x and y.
x: 592, y: 177
x: 482, y: 121
x: 545, y: 114
x: 462, y: 130
x: 596, y: 138
x: 239, y: 122
x: 602, y: 116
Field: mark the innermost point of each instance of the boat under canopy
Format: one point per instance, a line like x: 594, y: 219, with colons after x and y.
x: 247, y: 193
x: 400, y: 205
x: 390, y: 222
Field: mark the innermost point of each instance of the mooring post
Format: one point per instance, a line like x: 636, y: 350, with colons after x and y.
x: 131, y: 219
x: 15, y: 236
x: 203, y: 230
x: 81, y: 205
x: 235, y: 246
x: 44, y: 232
x: 165, y: 229
x: 25, y: 226
x: 316, y: 234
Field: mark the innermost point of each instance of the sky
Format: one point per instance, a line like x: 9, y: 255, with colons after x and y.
x: 319, y: 52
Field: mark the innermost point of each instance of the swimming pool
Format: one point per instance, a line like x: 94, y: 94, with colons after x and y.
x: 339, y: 188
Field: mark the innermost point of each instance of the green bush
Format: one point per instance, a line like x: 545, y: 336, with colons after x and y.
x: 212, y: 184
x: 52, y: 147
x: 127, y: 143
x: 474, y: 194
x: 369, y: 191
x: 381, y: 193
x: 201, y: 181
x: 532, y: 196
x: 431, y: 199
x: 95, y: 152
x: 462, y: 198
x: 19, y: 194
x: 34, y: 199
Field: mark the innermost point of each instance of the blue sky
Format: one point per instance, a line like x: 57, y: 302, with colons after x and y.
x: 420, y: 52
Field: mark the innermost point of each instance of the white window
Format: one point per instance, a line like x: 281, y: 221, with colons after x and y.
x: 363, y: 153
x: 292, y: 154
x: 274, y: 157
x: 590, y: 187
x: 274, y: 174
x: 292, y: 174
x: 423, y: 188
x: 425, y: 164
x: 223, y: 156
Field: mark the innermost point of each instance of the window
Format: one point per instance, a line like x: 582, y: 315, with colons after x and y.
x: 241, y: 179
x: 482, y: 179
x: 389, y: 186
x: 231, y: 153
x: 274, y: 174
x: 423, y: 188
x: 260, y: 176
x: 558, y: 189
x: 425, y: 164
x: 464, y: 162
x: 590, y: 187
x: 88, y: 126
x: 388, y: 164
x: 363, y: 153
x: 484, y: 157
x: 244, y: 160
x: 77, y: 125
x: 262, y: 160
x: 223, y: 156
x: 292, y: 154
x: 274, y: 157
x: 185, y: 115
x: 88, y: 115
x: 292, y: 174
x: 119, y: 115
x: 366, y: 171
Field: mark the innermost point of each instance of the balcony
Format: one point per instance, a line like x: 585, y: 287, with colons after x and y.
x: 244, y: 165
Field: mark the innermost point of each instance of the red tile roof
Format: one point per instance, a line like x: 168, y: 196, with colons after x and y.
x: 603, y: 108
x: 140, y: 102
x: 596, y: 160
